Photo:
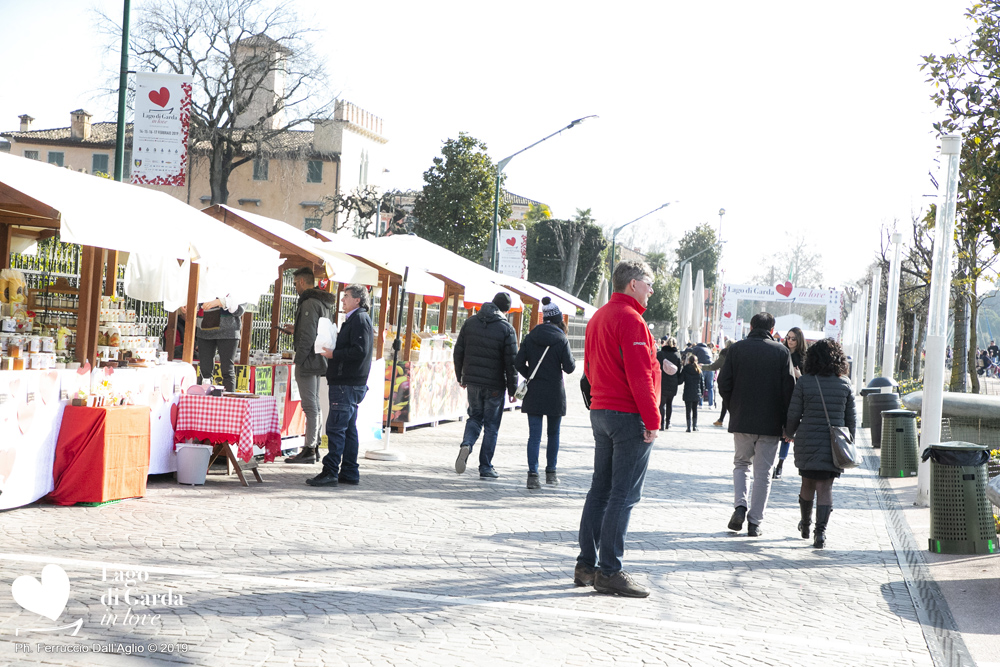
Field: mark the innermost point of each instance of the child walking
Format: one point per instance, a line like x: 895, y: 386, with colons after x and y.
x: 694, y: 385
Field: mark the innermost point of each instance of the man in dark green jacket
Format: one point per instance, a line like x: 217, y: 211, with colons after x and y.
x: 347, y: 374
x: 309, y: 366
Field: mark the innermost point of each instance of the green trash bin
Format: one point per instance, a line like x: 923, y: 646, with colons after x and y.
x: 879, y: 403
x: 866, y: 393
x: 961, y: 518
x: 899, y: 444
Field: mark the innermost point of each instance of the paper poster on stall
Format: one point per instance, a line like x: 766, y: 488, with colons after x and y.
x: 281, y: 390
x: 263, y: 380
x: 242, y: 379
x: 160, y: 130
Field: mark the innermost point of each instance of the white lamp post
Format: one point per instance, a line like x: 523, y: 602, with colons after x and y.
x: 937, y: 315
x: 892, y: 310
x: 859, y: 340
x: 873, y: 324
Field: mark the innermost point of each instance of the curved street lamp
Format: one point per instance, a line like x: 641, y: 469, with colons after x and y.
x: 495, y: 242
x: 614, y: 234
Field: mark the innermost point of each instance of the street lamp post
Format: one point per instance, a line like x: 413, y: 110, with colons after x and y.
x: 718, y: 280
x: 614, y: 234
x: 495, y: 242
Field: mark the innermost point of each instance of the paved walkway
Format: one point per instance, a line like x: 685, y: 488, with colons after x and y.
x: 420, y: 566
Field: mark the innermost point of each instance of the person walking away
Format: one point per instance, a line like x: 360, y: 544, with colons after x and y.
x: 704, y: 356
x: 757, y: 380
x: 545, y: 348
x: 694, y: 386
x: 218, y: 330
x: 797, y: 346
x: 310, y: 367
x: 669, y: 378
x: 620, y: 364
x: 717, y: 366
x: 484, y: 363
x: 824, y: 381
x: 348, y: 367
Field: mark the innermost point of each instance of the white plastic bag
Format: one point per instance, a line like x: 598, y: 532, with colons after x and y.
x: 326, y: 335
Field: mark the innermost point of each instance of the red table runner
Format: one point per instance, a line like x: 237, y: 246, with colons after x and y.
x: 102, y: 454
x: 243, y: 421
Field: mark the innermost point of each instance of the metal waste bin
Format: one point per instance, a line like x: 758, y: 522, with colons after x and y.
x: 961, y: 517
x: 874, y: 387
x: 899, y: 444
x: 879, y: 403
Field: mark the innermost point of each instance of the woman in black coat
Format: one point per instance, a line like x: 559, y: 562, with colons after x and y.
x: 694, y: 386
x: 825, y: 370
x: 668, y: 381
x: 796, y: 343
x: 546, y: 395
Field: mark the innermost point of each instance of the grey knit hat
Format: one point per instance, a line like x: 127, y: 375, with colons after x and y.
x: 549, y: 309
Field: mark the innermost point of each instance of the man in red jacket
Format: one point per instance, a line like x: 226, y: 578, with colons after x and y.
x: 620, y: 363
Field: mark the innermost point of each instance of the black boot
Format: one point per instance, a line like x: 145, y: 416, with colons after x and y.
x: 777, y: 470
x: 822, y: 518
x: 305, y: 455
x: 806, y: 508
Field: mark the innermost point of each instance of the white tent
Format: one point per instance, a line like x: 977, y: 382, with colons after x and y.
x: 418, y: 281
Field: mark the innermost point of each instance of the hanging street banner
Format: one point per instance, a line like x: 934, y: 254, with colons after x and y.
x: 782, y: 292
x: 513, y: 258
x: 160, y: 129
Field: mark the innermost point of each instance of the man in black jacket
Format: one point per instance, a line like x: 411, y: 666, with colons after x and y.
x: 309, y: 366
x: 756, y: 382
x: 347, y: 374
x: 484, y: 364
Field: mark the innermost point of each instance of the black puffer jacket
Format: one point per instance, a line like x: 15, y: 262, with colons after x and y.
x: 546, y: 393
x: 757, y: 382
x: 694, y: 383
x: 807, y: 422
x: 668, y: 383
x: 313, y: 304
x: 485, y: 351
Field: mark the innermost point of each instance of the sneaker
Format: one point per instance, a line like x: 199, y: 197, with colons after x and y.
x: 325, y: 478
x: 463, y: 456
x: 717, y: 422
x: 533, y: 482
x: 488, y: 473
x: 736, y: 522
x: 551, y: 477
x: 620, y: 583
x: 753, y: 530
x: 345, y: 480
x: 583, y: 575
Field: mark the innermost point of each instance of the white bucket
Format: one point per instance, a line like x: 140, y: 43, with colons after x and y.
x: 192, y: 463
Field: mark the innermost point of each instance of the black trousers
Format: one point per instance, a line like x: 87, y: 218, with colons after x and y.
x: 691, y: 412
x: 666, y: 408
x: 227, y: 348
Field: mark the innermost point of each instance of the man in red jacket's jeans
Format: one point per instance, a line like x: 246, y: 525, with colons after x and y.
x: 620, y: 363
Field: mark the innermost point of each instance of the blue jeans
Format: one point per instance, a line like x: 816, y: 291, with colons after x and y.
x: 342, y: 431
x: 620, y: 460
x: 485, y: 412
x: 709, y: 378
x: 535, y: 441
x: 783, y: 451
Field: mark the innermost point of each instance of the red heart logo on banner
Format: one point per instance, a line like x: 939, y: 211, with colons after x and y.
x: 83, y: 370
x: 784, y: 290
x: 7, y: 457
x: 727, y: 315
x: 833, y: 322
x: 512, y: 241
x: 160, y: 97
x: 49, y: 387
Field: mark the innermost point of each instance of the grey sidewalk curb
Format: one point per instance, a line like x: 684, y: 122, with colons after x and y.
x: 944, y: 642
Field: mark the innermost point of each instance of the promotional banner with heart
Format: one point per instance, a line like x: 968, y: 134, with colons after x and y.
x: 48, y: 597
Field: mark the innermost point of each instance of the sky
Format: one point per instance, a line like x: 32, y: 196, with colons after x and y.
x: 798, y: 118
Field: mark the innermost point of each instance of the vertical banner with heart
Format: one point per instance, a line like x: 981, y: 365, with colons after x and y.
x: 513, y: 258
x: 160, y: 129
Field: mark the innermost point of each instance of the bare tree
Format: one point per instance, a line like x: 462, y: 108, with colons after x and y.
x: 362, y: 209
x: 253, y: 69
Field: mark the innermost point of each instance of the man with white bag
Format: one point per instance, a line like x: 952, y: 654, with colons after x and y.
x: 310, y: 367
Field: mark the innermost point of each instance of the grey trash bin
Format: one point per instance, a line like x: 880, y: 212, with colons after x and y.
x: 961, y: 518
x: 874, y: 387
x: 899, y: 444
x: 879, y: 403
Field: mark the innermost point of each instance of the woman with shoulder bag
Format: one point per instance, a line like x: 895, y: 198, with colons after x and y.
x: 670, y: 373
x: 823, y: 390
x: 545, y: 352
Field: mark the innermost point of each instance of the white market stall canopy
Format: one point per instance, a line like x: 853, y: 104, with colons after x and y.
x: 588, y: 310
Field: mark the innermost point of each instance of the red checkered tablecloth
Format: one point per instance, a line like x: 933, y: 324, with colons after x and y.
x: 244, y: 421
